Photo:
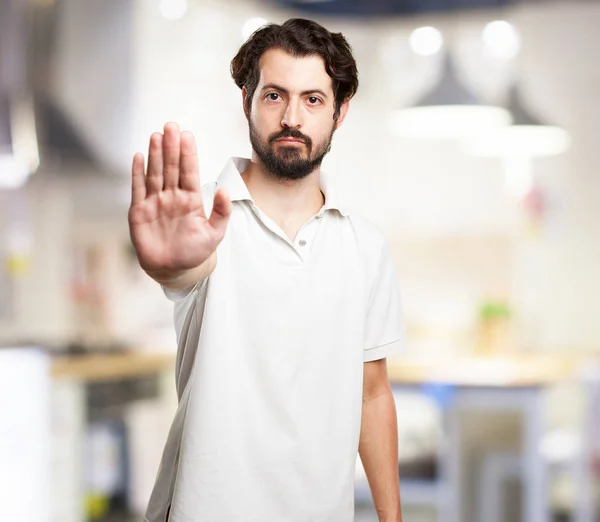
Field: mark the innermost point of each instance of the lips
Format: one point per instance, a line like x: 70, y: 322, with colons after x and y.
x: 290, y: 140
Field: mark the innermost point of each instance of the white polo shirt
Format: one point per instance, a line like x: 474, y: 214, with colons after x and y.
x: 270, y: 367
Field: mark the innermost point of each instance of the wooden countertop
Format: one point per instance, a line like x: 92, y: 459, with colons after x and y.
x: 515, y: 370
x: 506, y: 371
x: 106, y: 367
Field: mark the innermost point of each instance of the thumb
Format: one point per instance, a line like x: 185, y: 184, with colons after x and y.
x: 220, y: 211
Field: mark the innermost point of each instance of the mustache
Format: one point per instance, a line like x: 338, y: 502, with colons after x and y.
x: 290, y: 133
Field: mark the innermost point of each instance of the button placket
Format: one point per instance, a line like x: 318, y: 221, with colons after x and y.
x: 310, y: 229
x: 267, y: 222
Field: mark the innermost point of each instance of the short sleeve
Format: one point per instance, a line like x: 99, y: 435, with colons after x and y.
x: 179, y: 295
x: 384, y: 323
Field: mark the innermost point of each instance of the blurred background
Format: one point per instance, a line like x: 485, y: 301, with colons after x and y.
x: 472, y: 143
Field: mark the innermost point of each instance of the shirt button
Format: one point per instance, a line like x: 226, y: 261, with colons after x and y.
x: 318, y: 216
x: 302, y: 242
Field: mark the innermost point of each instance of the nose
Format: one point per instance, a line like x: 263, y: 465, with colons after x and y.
x: 291, y: 116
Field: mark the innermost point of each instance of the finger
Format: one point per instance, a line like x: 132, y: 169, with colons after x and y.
x: 154, y: 179
x: 189, y: 177
x: 221, y: 211
x: 138, y: 181
x: 171, y: 154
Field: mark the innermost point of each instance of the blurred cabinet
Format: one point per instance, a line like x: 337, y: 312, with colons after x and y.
x: 68, y: 427
x: 110, y: 418
x: 24, y: 435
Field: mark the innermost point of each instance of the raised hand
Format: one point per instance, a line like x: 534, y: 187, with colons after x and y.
x: 167, y: 223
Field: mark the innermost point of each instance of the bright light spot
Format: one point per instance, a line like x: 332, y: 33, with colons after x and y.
x: 173, y: 9
x: 447, y: 122
x: 501, y: 39
x: 252, y: 25
x: 426, y: 41
x: 520, y: 140
x: 561, y: 446
x: 13, y: 173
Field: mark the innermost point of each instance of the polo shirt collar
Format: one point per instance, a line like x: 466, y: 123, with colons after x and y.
x: 332, y: 201
x: 232, y: 181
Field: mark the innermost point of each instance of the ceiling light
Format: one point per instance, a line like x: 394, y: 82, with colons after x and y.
x: 448, y: 111
x: 528, y: 136
x: 426, y: 41
x: 501, y: 39
x: 13, y: 172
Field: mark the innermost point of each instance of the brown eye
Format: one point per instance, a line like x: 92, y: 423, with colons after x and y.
x: 314, y: 100
x: 273, y: 96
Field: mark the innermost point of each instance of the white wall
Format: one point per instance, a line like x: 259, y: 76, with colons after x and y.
x: 40, y: 310
x: 557, y: 277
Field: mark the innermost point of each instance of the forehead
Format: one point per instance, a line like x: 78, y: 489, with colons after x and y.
x: 294, y: 73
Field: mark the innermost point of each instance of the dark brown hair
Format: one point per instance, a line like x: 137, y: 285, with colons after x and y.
x: 300, y: 38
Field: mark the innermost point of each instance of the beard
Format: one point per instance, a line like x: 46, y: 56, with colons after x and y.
x: 289, y: 162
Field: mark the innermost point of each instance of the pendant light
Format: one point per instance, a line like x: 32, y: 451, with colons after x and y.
x: 528, y: 136
x: 448, y: 111
x: 518, y: 144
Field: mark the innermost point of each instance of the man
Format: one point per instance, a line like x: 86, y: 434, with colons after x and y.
x: 286, y: 304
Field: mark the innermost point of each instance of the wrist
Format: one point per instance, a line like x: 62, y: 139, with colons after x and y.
x: 391, y: 515
x: 182, y: 279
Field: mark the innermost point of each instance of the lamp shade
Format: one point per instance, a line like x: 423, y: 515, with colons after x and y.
x: 528, y: 136
x: 448, y: 111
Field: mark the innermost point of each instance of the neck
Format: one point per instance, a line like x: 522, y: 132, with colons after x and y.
x: 283, y: 199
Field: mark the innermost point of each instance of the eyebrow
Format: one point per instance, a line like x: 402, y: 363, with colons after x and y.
x: 285, y: 91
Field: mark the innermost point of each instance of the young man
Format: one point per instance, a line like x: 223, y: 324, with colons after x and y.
x: 286, y: 304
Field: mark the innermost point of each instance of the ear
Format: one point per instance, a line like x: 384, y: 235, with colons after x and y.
x: 244, y: 95
x: 343, y: 111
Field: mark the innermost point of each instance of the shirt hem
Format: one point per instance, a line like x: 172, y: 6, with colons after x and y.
x: 383, y: 350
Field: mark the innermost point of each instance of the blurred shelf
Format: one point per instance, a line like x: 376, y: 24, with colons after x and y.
x: 511, y: 370
x: 514, y: 370
x: 106, y: 367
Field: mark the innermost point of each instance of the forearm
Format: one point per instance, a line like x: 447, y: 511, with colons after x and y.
x: 378, y: 451
x: 184, y: 279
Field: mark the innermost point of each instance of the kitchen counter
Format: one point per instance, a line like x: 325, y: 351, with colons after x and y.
x: 106, y: 367
x: 514, y: 370
x: 510, y: 370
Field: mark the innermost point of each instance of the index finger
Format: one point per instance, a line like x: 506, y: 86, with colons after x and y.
x: 189, y: 176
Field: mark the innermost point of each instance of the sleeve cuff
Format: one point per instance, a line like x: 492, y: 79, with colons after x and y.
x: 383, y: 350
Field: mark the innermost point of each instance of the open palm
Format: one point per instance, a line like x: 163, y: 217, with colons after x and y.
x: 167, y: 222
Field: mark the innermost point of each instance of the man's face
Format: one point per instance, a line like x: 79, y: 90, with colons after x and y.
x: 291, y: 119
